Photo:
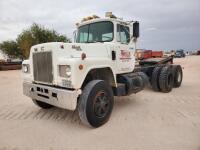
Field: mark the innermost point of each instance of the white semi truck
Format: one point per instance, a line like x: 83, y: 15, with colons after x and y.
x: 87, y: 74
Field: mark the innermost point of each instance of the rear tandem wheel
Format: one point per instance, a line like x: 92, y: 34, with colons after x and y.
x: 155, y: 78
x: 166, y: 79
x: 178, y: 75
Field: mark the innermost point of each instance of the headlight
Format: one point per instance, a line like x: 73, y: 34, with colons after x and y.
x: 25, y: 68
x: 65, y: 71
x: 68, y: 74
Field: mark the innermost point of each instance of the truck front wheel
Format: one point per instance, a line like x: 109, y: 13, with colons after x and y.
x: 41, y: 104
x: 95, y: 103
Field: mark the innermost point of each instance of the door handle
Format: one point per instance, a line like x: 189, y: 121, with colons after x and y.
x: 113, y: 55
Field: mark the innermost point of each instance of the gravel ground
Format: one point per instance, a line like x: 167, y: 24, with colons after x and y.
x: 145, y: 121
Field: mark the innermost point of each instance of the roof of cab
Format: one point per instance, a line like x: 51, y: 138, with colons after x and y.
x: 100, y: 20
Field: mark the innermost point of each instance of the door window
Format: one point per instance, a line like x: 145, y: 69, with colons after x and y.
x: 123, y: 34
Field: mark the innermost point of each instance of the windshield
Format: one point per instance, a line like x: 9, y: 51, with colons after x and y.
x: 95, y: 32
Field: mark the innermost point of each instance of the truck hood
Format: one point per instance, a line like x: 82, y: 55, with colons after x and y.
x: 74, y: 50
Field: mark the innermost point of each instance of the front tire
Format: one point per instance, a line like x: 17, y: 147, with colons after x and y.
x: 42, y: 104
x: 96, y: 103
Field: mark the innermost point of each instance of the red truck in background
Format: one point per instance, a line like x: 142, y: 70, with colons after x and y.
x: 141, y: 54
x: 156, y: 54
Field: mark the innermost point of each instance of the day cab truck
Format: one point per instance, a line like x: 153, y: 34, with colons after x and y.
x: 179, y: 53
x: 87, y: 74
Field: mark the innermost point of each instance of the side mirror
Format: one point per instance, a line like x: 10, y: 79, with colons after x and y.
x: 136, y: 29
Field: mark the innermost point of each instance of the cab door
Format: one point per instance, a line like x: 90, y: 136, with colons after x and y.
x: 124, y: 51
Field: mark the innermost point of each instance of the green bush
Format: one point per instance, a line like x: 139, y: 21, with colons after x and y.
x: 36, y: 34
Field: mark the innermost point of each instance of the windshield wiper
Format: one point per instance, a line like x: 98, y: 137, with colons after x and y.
x: 95, y: 42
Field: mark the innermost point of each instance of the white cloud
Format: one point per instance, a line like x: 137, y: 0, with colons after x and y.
x: 150, y: 29
x: 165, y: 24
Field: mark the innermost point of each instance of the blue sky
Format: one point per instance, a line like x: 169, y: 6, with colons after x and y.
x: 165, y: 24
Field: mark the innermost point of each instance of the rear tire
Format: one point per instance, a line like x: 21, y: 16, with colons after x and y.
x: 95, y: 103
x: 166, y: 79
x: 42, y: 104
x: 178, y: 75
x: 155, y: 78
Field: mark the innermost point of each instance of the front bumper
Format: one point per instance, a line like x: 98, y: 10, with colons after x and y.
x: 63, y: 98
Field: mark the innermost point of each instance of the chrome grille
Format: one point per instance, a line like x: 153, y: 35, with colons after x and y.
x: 42, y: 67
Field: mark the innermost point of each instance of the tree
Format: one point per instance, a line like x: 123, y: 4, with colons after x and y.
x: 37, y: 34
x: 11, y: 49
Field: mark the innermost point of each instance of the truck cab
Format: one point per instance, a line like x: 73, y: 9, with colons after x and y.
x: 179, y: 53
x: 100, y: 43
